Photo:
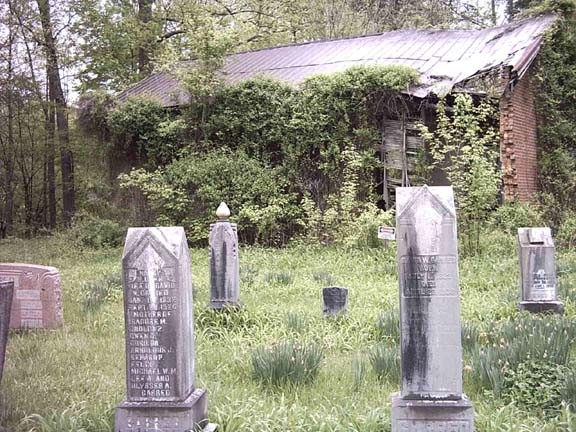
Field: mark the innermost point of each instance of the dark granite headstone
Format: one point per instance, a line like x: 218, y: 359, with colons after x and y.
x: 6, y: 292
x: 160, y: 374
x: 37, y: 301
x: 334, y: 301
x: 431, y: 395
x: 536, y: 253
x: 224, y: 270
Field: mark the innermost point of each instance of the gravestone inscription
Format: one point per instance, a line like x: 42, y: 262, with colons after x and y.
x: 536, y: 253
x: 160, y: 374
x: 431, y: 395
x: 6, y: 293
x: 37, y: 301
x: 224, y: 268
x: 334, y: 301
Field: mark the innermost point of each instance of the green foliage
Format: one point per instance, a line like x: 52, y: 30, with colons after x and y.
x: 513, y: 215
x: 279, y: 278
x: 535, y: 385
x: 566, y: 235
x: 465, y: 146
x: 385, y: 362
x: 188, y: 191
x: 145, y: 132
x: 287, y: 362
x: 556, y: 89
x: 359, y: 369
x: 388, y: 326
x: 95, y: 232
x: 506, y: 345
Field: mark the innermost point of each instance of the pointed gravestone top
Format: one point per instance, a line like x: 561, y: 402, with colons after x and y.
x: 158, y: 312
x: 223, y: 212
x: 429, y: 294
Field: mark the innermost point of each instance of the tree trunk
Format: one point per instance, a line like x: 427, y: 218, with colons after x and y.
x: 144, y: 17
x: 8, y: 156
x: 56, y: 96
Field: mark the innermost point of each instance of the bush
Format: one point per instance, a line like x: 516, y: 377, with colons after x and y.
x: 511, y: 216
x: 535, y: 384
x: 288, y: 362
x: 566, y: 235
x: 188, y: 191
x: 95, y: 232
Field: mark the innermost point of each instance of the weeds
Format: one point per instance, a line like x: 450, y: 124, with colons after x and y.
x: 287, y: 362
x: 386, y: 363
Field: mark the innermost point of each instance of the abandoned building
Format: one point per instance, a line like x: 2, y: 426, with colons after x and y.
x: 496, y: 61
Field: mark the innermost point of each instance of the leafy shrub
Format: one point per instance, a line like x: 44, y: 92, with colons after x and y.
x: 511, y: 216
x: 188, y: 191
x: 362, y: 231
x: 566, y: 235
x: 96, y: 232
x: 535, y: 385
x: 287, y: 362
x: 145, y: 132
x: 385, y: 362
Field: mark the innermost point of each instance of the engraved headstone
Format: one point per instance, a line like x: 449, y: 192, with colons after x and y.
x: 224, y: 270
x: 6, y: 292
x: 37, y: 301
x: 160, y: 373
x: 334, y: 301
x: 536, y: 253
x: 431, y: 397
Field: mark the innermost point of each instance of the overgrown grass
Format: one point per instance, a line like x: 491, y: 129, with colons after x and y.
x: 72, y: 378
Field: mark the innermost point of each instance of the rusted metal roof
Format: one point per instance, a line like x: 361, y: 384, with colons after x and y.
x: 444, y: 58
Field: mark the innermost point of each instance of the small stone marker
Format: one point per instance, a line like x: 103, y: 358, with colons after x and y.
x: 6, y: 292
x: 224, y: 269
x: 431, y: 397
x: 334, y: 301
x: 160, y: 373
x: 37, y: 301
x: 538, y: 271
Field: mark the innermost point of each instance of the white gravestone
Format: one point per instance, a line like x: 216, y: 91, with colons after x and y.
x: 538, y: 286
x: 431, y: 397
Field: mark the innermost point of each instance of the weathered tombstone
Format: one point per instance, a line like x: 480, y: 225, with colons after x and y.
x: 160, y: 373
x: 6, y: 291
x: 224, y: 270
x: 334, y: 301
x: 538, y: 271
x: 37, y: 301
x: 431, y: 397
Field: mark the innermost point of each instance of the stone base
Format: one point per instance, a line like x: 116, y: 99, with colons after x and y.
x: 432, y: 415
x: 192, y: 414
x: 556, y: 307
x: 224, y: 305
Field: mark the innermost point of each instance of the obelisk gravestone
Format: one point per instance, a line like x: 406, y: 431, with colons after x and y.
x: 431, y: 397
x: 334, y: 301
x: 536, y: 253
x: 224, y: 269
x: 6, y: 293
x: 160, y: 374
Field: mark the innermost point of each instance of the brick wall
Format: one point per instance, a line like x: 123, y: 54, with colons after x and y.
x: 519, y: 140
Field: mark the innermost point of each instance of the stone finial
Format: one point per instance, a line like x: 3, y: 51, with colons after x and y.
x: 223, y: 212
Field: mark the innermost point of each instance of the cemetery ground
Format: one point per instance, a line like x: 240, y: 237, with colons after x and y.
x: 72, y: 378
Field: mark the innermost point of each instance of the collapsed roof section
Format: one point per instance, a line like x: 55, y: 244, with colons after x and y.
x: 444, y: 58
